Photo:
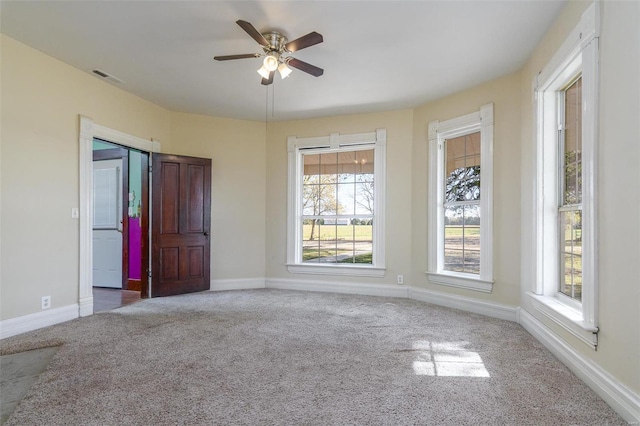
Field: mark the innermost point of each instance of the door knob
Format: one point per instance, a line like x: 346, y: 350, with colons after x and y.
x: 206, y: 233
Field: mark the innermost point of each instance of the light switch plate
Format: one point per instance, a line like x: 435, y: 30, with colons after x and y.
x: 75, y: 213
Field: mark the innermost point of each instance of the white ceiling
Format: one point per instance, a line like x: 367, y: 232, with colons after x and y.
x: 377, y: 55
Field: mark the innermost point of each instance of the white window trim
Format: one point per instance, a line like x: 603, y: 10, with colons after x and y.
x: 439, y: 131
x: 334, y: 142
x: 578, y: 52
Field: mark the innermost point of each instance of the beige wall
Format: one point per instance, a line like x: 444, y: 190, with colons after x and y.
x: 237, y: 149
x: 618, y: 184
x: 41, y: 101
x: 398, y: 202
x: 504, y: 93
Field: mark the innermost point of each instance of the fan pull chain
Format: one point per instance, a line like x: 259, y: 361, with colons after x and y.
x: 266, y: 108
x: 273, y: 100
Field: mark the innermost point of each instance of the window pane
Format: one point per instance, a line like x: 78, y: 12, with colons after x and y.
x: 309, y: 198
x: 327, y: 203
x: 462, y: 239
x: 311, y: 168
x: 572, y: 166
x: 363, y: 236
x: 346, y: 168
x: 453, y: 239
x: 453, y: 260
x: 355, y: 242
x: 472, y: 239
x: 571, y: 254
x: 346, y: 198
x: 364, y: 198
x: 324, y: 249
x: 310, y: 240
x: 328, y: 163
x: 462, y: 179
x: 319, y: 185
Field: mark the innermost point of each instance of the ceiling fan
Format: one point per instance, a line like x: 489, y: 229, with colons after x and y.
x: 276, y: 47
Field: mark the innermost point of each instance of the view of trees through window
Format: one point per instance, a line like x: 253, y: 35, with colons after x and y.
x: 338, y: 207
x: 462, y: 204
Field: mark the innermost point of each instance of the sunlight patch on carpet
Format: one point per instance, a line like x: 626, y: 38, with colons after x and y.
x: 447, y: 359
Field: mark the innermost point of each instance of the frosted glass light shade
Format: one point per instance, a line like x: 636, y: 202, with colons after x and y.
x: 284, y: 70
x: 263, y: 72
x: 270, y: 62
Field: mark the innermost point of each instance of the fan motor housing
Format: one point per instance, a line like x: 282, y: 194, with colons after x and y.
x: 276, y: 42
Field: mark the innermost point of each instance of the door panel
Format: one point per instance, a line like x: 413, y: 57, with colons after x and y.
x: 107, y: 223
x: 181, y: 215
x: 170, y: 195
x: 107, y: 261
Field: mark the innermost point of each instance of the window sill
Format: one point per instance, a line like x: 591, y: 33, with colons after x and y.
x: 567, y: 317
x: 460, y: 281
x: 333, y: 269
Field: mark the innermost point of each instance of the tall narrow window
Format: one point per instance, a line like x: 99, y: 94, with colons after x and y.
x: 566, y: 99
x: 336, y: 204
x: 570, y: 209
x: 462, y: 204
x: 460, y: 200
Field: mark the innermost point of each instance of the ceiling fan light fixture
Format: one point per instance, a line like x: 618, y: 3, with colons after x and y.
x: 263, y: 72
x: 270, y: 62
x: 284, y: 70
x: 275, y: 47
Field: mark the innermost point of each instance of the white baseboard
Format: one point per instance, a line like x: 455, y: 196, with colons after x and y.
x: 237, y: 284
x: 623, y: 400
x: 338, y: 287
x: 13, y: 326
x: 489, y: 309
x: 86, y: 306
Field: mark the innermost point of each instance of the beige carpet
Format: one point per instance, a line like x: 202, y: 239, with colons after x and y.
x: 295, y: 358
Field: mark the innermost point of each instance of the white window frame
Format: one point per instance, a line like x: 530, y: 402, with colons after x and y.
x: 577, y: 55
x: 335, y: 142
x: 439, y: 131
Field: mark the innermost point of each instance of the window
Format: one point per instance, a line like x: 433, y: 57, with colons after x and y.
x: 462, y: 204
x: 566, y: 117
x: 336, y: 204
x: 460, y: 218
x: 570, y: 179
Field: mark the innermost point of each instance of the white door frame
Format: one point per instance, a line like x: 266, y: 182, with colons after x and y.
x: 88, y: 131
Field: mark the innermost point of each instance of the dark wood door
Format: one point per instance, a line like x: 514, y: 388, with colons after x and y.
x: 180, y: 223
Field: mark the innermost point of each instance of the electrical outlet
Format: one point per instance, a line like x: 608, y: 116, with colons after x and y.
x: 46, y: 302
x: 400, y: 279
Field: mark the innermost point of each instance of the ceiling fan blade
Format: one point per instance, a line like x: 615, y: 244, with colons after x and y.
x: 255, y: 34
x: 303, y: 66
x: 230, y: 57
x: 304, y: 42
x: 268, y: 81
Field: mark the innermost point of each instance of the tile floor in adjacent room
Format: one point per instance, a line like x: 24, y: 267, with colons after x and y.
x: 106, y: 299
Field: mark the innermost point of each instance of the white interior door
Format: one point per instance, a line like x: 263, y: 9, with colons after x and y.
x: 107, y: 223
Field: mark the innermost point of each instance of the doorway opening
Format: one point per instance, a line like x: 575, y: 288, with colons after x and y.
x: 119, y: 225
